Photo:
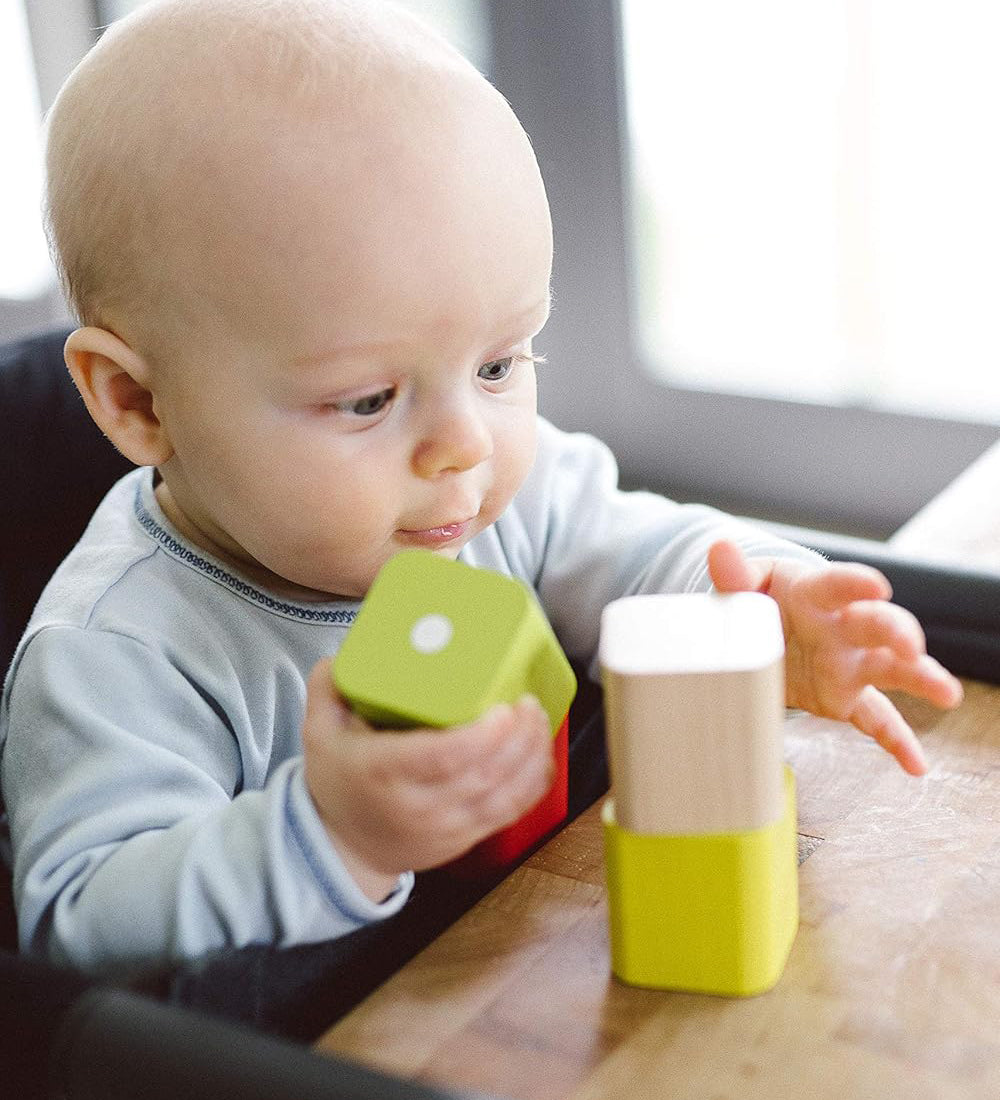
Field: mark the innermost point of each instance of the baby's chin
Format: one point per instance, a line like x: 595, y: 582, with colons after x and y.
x: 315, y: 588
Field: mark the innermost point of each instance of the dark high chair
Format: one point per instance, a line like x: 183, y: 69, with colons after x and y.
x: 55, y: 466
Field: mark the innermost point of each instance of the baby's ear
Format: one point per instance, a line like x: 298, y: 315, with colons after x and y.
x: 114, y: 382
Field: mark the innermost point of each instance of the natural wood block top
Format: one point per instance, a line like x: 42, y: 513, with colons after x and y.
x: 892, y: 987
x: 694, y: 692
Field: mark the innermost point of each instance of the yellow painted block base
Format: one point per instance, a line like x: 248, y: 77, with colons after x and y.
x: 710, y: 913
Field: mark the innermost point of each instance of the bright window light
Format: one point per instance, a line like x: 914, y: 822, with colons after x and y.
x: 815, y: 211
x: 25, y: 270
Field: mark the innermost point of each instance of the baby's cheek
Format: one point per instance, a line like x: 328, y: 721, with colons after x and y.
x: 517, y: 454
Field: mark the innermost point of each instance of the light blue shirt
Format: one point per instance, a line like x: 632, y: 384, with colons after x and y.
x: 151, y: 761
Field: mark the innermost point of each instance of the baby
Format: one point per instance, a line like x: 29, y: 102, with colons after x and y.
x: 310, y: 251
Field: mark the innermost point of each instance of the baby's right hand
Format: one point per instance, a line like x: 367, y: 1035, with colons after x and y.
x: 396, y: 801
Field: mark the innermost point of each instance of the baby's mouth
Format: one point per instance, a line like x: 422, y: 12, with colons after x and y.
x: 436, y: 536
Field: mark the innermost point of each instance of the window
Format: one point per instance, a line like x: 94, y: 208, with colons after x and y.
x: 25, y: 271
x: 815, y: 210
x: 617, y: 359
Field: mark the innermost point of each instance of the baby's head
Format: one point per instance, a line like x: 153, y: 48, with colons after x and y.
x: 309, y: 246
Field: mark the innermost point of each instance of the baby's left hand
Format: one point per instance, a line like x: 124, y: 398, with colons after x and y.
x: 845, y: 644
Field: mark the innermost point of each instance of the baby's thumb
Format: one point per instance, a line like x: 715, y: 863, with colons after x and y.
x: 729, y: 569
x: 326, y: 711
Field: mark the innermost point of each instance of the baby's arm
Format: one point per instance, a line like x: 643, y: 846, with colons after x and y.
x: 397, y: 801
x: 136, y: 838
x: 845, y: 645
x: 581, y: 542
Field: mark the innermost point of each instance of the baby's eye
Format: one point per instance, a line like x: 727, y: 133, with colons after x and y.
x: 497, y: 370
x: 368, y: 405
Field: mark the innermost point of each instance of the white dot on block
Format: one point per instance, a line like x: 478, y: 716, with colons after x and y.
x: 431, y: 633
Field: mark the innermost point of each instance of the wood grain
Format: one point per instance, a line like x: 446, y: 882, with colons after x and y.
x: 696, y: 752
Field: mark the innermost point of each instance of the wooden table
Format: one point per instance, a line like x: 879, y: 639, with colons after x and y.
x: 892, y: 988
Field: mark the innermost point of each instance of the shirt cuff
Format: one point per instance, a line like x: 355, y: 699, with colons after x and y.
x: 325, y: 863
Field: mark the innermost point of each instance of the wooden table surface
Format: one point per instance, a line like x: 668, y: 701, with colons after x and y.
x: 892, y: 988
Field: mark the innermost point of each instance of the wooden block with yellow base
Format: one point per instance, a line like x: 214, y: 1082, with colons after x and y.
x: 700, y: 832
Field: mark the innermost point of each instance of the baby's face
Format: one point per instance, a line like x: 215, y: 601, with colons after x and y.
x: 358, y: 378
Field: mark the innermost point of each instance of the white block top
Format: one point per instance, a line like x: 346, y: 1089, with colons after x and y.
x: 692, y: 632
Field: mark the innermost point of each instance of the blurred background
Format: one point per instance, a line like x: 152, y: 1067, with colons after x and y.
x: 777, y: 232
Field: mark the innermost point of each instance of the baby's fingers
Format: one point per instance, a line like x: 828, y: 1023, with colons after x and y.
x: 732, y: 572
x: 871, y: 624
x: 511, y: 779
x: 876, y: 717
x: 922, y: 677
x: 515, y: 790
x: 479, y: 752
x: 484, y: 776
x: 835, y: 586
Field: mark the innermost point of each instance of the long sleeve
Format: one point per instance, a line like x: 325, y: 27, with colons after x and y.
x: 136, y: 836
x: 582, y: 542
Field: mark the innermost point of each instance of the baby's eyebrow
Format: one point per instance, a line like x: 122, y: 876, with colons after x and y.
x: 375, y: 347
x: 344, y: 351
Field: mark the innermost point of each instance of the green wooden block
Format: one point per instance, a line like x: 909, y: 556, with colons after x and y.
x: 437, y: 642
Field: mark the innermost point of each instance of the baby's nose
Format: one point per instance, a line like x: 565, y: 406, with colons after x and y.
x: 456, y: 439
